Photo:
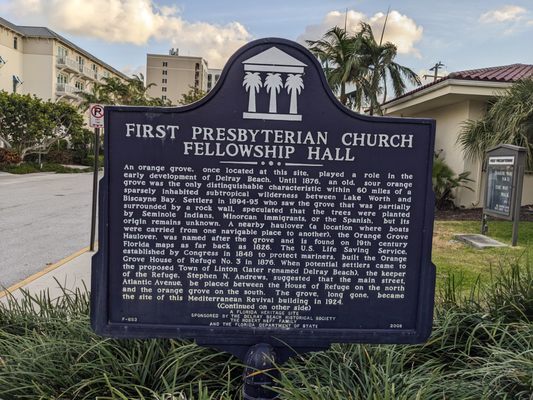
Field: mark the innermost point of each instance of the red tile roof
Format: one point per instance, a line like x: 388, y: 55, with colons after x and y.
x: 505, y: 73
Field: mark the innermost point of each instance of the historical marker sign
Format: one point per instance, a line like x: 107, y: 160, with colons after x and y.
x: 265, y: 212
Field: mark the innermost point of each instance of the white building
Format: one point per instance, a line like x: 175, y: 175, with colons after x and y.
x: 36, y: 60
x: 452, y: 100
x: 171, y: 75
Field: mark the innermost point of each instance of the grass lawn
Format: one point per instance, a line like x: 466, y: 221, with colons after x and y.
x: 467, y: 263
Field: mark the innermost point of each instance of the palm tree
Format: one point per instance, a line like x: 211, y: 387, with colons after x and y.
x: 509, y: 119
x: 378, y: 59
x: 273, y: 84
x: 252, y: 83
x: 294, y: 85
x: 96, y: 95
x: 361, y: 61
x: 336, y: 52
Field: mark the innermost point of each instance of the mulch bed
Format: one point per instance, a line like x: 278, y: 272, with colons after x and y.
x: 474, y: 214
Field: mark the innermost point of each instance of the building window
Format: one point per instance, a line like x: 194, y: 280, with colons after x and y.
x: 61, y: 79
x: 81, y: 62
x: 163, y: 97
x: 217, y: 76
x: 165, y: 64
x: 163, y: 89
x: 165, y: 72
x: 15, y: 42
x: 80, y: 86
x: 62, y: 54
x: 164, y: 80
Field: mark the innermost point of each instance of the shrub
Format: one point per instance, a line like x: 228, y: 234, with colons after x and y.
x: 9, y: 157
x: 480, y: 349
x: 445, y: 182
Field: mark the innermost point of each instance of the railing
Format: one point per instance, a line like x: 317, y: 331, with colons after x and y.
x: 75, y: 66
x: 67, y: 62
x: 65, y: 88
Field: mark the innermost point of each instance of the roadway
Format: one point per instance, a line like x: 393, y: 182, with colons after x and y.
x: 43, y: 218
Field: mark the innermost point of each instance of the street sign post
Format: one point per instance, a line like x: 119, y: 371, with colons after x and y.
x: 96, y: 121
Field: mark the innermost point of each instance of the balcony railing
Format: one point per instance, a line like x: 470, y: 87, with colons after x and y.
x: 68, y: 63
x: 74, y: 66
x: 64, y: 89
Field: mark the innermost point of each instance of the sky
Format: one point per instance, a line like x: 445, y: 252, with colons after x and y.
x: 462, y: 34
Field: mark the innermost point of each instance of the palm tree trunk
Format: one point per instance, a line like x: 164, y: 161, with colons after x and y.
x: 251, y: 100
x: 384, y: 89
x: 294, y: 103
x: 273, y: 107
x: 343, y: 97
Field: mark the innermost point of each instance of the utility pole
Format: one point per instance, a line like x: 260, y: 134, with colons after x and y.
x: 436, y: 68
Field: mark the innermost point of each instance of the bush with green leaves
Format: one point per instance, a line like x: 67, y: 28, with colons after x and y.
x: 29, y: 125
x: 481, y: 348
x: 446, y: 182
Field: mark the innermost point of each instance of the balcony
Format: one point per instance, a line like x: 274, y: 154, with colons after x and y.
x: 66, y: 90
x: 68, y: 64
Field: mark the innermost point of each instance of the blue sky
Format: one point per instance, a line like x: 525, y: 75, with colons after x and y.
x: 462, y: 34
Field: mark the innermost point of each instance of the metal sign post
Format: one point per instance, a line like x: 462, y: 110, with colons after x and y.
x: 96, y: 121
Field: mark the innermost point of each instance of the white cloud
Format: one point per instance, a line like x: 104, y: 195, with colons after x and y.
x: 401, y: 30
x: 508, y: 13
x: 131, y: 70
x: 137, y: 21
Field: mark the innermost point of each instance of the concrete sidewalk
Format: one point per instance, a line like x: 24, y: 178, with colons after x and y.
x: 72, y: 272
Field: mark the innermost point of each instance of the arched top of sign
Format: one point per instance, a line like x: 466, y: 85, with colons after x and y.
x: 271, y: 79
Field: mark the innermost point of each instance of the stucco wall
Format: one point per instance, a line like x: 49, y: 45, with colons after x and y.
x: 449, y: 122
x: 527, y: 191
x: 38, y: 70
x: 12, y: 57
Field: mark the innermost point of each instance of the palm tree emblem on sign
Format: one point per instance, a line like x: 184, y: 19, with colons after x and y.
x: 273, y: 84
x: 252, y: 83
x: 278, y: 67
x: 294, y: 85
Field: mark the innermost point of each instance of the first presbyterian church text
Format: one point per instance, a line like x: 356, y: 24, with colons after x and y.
x: 267, y: 143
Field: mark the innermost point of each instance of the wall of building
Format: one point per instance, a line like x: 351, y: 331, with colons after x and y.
x: 448, y: 124
x: 13, y: 59
x: 449, y: 121
x: 176, y: 77
x: 527, y: 190
x: 37, y: 72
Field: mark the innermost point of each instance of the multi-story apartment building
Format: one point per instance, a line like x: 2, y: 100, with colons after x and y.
x: 173, y: 75
x: 37, y: 60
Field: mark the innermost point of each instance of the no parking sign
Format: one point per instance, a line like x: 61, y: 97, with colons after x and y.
x: 96, y: 119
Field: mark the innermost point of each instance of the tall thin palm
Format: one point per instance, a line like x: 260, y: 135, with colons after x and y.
x: 273, y: 84
x: 336, y: 52
x: 252, y: 82
x: 378, y: 59
x: 294, y: 85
